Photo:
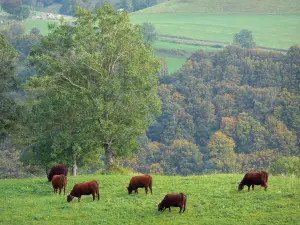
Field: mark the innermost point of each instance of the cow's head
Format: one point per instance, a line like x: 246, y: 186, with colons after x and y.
x: 241, y: 186
x: 70, y: 198
x: 160, y: 207
x: 129, y: 188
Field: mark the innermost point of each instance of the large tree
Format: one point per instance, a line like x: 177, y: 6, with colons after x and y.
x: 8, y: 83
x: 114, y: 76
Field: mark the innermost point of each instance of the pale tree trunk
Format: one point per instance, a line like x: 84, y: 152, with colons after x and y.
x: 74, y: 171
x: 109, y: 159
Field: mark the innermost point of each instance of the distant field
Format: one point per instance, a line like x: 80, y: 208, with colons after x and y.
x: 227, y: 6
x: 41, y: 24
x: 188, y: 48
x: 211, y: 199
x: 275, y: 31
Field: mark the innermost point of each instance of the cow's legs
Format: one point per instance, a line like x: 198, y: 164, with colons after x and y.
x: 98, y: 195
x: 64, y: 190
x: 146, y: 189
x: 150, y: 189
x: 249, y: 187
x: 266, y: 186
x: 79, y: 198
x: 252, y: 187
x: 169, y: 209
x: 180, y: 210
x: 59, y: 190
x: 93, y: 196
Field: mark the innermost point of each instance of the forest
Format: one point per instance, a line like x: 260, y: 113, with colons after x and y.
x: 92, y: 95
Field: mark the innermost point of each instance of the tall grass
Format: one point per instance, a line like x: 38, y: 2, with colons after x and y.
x: 211, y: 199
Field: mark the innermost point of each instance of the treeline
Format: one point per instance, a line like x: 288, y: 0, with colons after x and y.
x: 231, y: 111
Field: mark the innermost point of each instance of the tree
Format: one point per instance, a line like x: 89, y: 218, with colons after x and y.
x: 149, y: 32
x: 12, y: 6
x: 222, y: 151
x: 8, y: 83
x: 244, y: 38
x: 105, y: 64
x: 35, y: 30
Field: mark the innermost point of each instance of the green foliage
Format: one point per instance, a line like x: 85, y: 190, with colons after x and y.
x: 35, y: 30
x: 211, y: 199
x: 12, y: 6
x: 8, y: 82
x: 100, y: 84
x: 244, y: 38
x: 149, y: 32
x: 286, y: 166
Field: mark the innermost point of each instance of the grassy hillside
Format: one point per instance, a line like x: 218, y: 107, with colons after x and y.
x: 227, y: 6
x: 211, y: 199
x: 274, y: 23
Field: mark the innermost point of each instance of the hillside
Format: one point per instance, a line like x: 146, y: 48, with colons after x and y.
x: 211, y: 199
x: 227, y: 6
x: 274, y: 24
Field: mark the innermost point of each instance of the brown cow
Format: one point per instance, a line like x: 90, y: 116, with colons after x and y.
x: 174, y: 200
x: 57, y: 170
x: 85, y: 188
x: 140, y: 182
x: 59, y: 182
x: 254, y: 178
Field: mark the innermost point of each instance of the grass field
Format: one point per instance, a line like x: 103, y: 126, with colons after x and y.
x: 211, y: 199
x: 275, y: 31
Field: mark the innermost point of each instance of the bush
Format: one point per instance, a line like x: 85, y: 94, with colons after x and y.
x: 286, y: 166
x: 35, y: 30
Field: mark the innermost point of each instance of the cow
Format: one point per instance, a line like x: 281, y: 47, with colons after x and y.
x: 254, y: 178
x: 174, y: 200
x: 140, y: 182
x: 85, y: 188
x: 57, y: 170
x: 59, y: 182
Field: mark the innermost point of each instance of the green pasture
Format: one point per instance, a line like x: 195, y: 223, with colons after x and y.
x: 211, y: 199
x: 275, y: 31
x: 185, y: 47
x: 227, y: 6
x: 41, y: 24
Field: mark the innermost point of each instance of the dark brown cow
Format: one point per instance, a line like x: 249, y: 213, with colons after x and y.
x: 59, y: 182
x: 174, y: 200
x: 85, y: 188
x: 254, y: 178
x: 140, y: 182
x: 57, y: 170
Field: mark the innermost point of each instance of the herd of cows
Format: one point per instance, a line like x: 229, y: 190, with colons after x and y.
x: 58, y: 178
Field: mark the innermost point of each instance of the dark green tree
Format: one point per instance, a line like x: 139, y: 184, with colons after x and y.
x: 149, y: 32
x: 244, y: 38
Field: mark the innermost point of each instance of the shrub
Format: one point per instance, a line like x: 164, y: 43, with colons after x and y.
x: 286, y: 166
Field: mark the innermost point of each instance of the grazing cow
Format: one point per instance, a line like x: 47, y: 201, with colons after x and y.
x: 57, y: 170
x: 254, y: 178
x: 140, y: 182
x: 85, y: 188
x: 59, y: 182
x: 174, y: 200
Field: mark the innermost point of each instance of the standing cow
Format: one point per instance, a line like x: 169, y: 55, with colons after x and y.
x: 59, y: 182
x: 140, y: 182
x: 85, y: 188
x: 57, y: 170
x: 174, y: 200
x: 254, y: 178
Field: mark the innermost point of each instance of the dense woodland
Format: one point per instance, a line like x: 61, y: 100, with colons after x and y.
x: 78, y: 96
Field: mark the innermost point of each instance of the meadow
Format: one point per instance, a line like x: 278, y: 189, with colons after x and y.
x: 211, y: 199
x: 274, y: 31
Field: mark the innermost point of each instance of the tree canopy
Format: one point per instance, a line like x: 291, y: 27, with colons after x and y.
x: 96, y: 86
